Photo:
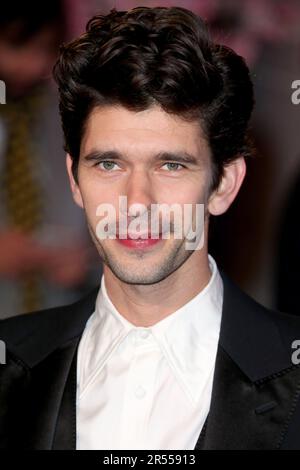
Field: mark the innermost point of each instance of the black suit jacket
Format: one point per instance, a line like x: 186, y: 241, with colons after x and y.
x: 255, y: 399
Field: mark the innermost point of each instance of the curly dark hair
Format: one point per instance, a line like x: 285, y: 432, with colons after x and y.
x: 157, y: 56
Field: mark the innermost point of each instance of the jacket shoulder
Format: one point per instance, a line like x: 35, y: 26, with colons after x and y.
x: 239, y: 301
x: 259, y: 339
x: 37, y: 333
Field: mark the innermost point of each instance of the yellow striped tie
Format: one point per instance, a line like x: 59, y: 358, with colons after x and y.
x: 21, y: 190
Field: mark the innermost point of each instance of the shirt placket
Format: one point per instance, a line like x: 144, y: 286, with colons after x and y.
x: 139, y: 391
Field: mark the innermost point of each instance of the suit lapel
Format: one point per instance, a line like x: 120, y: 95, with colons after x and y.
x: 245, y: 414
x: 65, y: 433
x: 49, y: 406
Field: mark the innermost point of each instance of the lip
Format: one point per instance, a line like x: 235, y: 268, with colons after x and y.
x: 139, y: 242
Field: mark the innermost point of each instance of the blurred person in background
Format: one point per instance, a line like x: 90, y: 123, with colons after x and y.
x: 44, y: 247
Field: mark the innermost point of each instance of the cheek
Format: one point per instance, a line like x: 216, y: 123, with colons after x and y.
x: 190, y: 194
x: 95, y: 198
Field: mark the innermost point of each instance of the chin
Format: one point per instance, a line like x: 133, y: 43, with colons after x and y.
x: 133, y: 276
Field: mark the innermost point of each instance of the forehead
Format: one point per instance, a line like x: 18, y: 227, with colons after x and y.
x: 144, y: 132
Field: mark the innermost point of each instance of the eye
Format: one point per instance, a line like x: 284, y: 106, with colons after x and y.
x: 173, y: 166
x: 107, y: 165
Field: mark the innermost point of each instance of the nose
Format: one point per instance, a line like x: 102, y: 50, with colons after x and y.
x: 139, y: 192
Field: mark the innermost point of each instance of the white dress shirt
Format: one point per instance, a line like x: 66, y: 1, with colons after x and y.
x: 148, y: 388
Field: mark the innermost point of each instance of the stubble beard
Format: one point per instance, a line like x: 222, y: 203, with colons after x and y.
x: 138, y: 271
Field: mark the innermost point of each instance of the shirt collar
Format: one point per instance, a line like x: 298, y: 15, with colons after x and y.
x: 188, y: 337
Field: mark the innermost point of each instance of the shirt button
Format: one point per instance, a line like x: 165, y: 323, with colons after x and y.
x: 140, y: 392
x: 144, y: 334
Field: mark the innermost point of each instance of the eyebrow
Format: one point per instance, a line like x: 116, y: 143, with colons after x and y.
x: 180, y: 157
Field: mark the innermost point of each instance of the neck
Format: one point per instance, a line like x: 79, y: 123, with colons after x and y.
x: 145, y: 305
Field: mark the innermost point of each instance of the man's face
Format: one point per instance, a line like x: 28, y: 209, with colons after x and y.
x: 139, y: 169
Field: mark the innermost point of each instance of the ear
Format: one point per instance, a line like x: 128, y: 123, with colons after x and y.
x: 232, y: 179
x: 74, y: 186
